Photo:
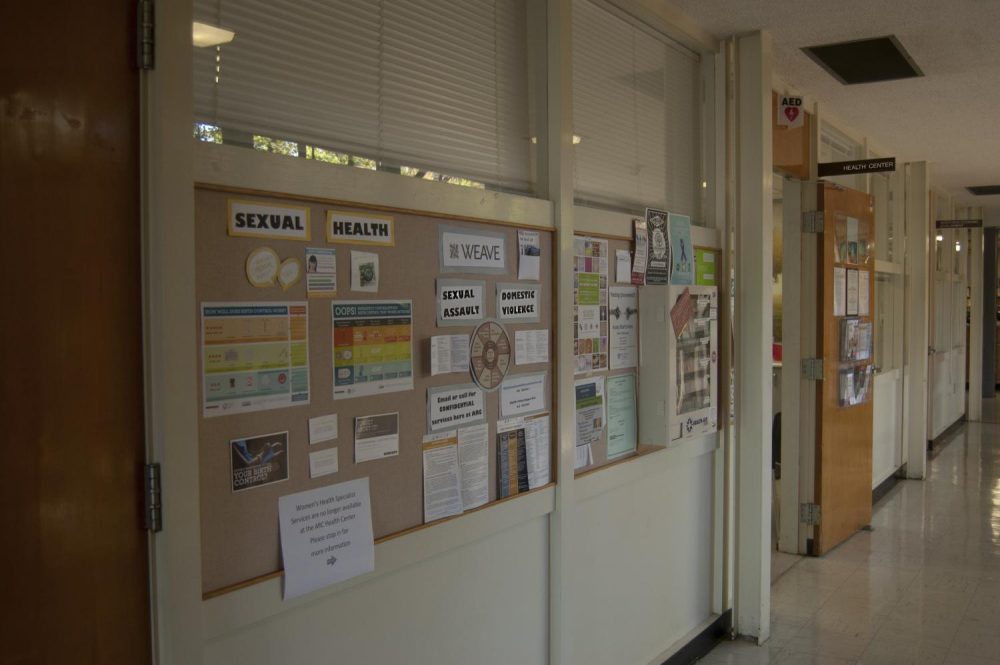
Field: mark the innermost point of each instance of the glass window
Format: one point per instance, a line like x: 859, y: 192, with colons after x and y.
x: 434, y: 89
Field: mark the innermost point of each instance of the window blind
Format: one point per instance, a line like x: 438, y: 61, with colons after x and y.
x: 636, y: 107
x: 435, y: 84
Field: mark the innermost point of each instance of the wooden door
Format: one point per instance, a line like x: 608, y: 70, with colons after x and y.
x: 74, y: 555
x: 844, y: 441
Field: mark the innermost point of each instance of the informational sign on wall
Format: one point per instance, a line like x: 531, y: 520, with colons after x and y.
x: 460, y: 302
x: 464, y: 250
x: 791, y: 113
x: 519, y: 302
x: 258, y: 460
x: 658, y: 261
x: 857, y: 166
x: 454, y: 406
x: 326, y: 536
x: 357, y: 229
x: 257, y: 220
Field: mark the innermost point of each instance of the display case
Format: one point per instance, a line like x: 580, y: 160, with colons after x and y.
x: 678, y: 384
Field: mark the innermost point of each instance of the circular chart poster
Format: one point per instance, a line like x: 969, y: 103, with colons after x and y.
x: 489, y: 355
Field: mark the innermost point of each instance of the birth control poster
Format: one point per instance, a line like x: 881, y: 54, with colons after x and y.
x: 258, y: 460
x: 372, y: 347
x: 590, y: 300
x: 255, y: 356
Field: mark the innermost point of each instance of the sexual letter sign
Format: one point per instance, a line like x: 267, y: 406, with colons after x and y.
x: 790, y: 112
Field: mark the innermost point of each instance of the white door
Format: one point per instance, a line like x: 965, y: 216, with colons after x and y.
x: 946, y: 361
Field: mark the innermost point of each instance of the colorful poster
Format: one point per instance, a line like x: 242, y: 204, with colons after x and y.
x: 590, y: 299
x: 704, y: 267
x: 621, y: 415
x: 321, y: 272
x: 326, y: 536
x: 658, y: 262
x: 460, y: 302
x: 512, y: 461
x: 372, y: 347
x: 681, y: 250
x: 454, y: 406
x: 258, y: 460
x: 624, y: 320
x: 255, y: 356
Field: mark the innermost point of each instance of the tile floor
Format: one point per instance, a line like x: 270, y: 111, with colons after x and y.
x: 922, y: 588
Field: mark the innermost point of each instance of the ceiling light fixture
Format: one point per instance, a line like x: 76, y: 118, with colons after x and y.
x: 204, y: 35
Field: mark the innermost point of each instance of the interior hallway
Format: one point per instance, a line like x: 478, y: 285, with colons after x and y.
x: 922, y: 588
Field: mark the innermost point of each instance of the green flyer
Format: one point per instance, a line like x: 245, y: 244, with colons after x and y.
x: 621, y: 415
x: 589, y: 289
x: 704, y: 267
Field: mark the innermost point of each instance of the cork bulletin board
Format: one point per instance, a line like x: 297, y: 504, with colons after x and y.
x: 600, y: 448
x: 239, y: 530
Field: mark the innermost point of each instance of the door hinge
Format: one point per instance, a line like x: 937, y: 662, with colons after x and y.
x: 146, y: 34
x: 812, y: 369
x: 812, y: 222
x: 809, y: 513
x: 153, y: 498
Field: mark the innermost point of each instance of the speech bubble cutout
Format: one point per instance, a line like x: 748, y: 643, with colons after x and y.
x: 262, y: 267
x: 290, y: 273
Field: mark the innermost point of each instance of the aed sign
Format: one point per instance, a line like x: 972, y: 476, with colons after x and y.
x: 460, y: 302
x: 519, y: 302
x: 469, y: 251
x: 356, y: 229
x: 857, y: 166
x: 259, y: 220
x: 791, y: 113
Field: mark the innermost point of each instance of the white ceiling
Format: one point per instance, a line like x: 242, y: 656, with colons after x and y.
x: 950, y: 116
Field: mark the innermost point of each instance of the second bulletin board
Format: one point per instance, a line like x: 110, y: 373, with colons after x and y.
x: 239, y: 530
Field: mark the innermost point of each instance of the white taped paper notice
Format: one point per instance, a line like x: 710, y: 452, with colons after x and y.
x: 529, y: 250
x: 364, y: 272
x: 376, y: 437
x: 474, y: 464
x: 863, y: 299
x: 326, y: 536
x: 451, y: 406
x: 522, y: 394
x: 449, y: 353
x: 442, y: 486
x: 623, y: 266
x: 531, y: 346
x: 322, y: 428
x: 839, y: 291
x: 323, y: 463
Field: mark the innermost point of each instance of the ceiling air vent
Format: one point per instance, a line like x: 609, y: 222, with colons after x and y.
x: 865, y: 60
x: 984, y: 190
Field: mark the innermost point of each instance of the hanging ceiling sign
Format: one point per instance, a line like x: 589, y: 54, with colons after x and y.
x: 790, y: 112
x: 959, y: 223
x: 857, y: 166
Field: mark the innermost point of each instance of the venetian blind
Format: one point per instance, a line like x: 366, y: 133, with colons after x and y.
x: 636, y: 107
x: 434, y: 84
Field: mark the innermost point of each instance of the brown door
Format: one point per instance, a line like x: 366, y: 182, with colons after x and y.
x: 846, y: 300
x: 74, y: 553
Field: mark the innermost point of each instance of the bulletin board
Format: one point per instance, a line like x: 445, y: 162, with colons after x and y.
x: 239, y: 530
x: 600, y: 448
